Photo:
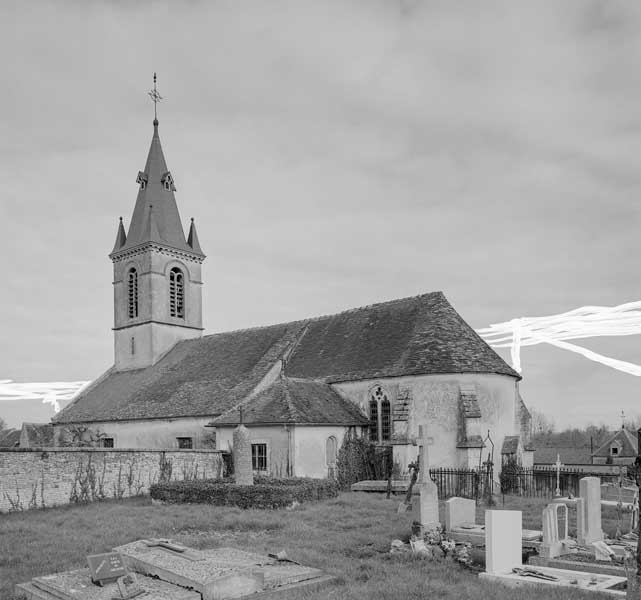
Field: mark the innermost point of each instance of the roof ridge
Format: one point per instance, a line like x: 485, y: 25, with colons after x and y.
x: 326, y: 316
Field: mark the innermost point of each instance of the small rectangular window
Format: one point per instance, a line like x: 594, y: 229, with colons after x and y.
x: 186, y: 443
x: 259, y: 457
x: 107, y: 442
x: 615, y: 450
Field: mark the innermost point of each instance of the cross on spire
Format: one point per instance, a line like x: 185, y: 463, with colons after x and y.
x: 156, y: 97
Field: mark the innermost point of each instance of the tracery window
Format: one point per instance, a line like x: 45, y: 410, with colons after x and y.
x: 373, y: 420
x: 176, y: 293
x: 132, y: 289
x: 380, y: 414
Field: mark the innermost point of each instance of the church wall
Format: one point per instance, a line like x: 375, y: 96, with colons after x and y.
x: 153, y: 433
x: 33, y: 478
x: 311, y: 459
x: 435, y: 402
x: 279, y: 441
x: 303, y: 447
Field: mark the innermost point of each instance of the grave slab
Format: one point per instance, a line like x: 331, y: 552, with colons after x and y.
x: 562, y: 562
x: 564, y: 578
x: 216, y: 578
x: 77, y: 585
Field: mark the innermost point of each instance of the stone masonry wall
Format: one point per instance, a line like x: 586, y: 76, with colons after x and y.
x: 37, y: 478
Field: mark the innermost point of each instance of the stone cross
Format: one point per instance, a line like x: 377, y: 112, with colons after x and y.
x: 424, y: 461
x: 425, y: 506
x: 558, y: 466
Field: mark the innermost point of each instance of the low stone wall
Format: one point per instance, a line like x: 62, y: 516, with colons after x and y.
x: 44, y: 477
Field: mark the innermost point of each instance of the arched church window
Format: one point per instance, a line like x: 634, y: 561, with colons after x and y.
x: 176, y: 293
x: 386, y: 420
x: 373, y: 420
x: 132, y: 293
x: 380, y: 412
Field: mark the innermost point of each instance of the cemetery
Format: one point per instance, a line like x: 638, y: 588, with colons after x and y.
x: 342, y: 543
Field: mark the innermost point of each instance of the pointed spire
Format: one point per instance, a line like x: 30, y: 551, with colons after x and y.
x: 150, y: 232
x: 156, y: 186
x: 192, y: 239
x: 121, y: 237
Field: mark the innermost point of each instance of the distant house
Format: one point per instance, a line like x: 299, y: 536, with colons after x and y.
x: 36, y: 435
x: 569, y: 455
x: 9, y: 438
x: 619, y: 449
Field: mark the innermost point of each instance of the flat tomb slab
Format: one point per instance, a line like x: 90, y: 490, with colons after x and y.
x: 77, y: 585
x: 399, y: 486
x: 276, y: 573
x: 600, y: 567
x: 229, y: 576
x: 583, y: 581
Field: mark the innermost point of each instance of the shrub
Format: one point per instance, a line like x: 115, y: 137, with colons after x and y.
x: 265, y: 493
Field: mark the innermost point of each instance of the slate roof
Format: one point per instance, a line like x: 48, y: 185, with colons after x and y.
x: 36, y: 435
x: 296, y: 401
x: 510, y: 444
x: 9, y: 438
x: 210, y: 375
x: 411, y: 336
x: 570, y: 455
x: 628, y: 444
x: 201, y: 377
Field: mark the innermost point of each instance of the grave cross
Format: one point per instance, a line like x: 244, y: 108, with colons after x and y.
x: 558, y: 466
x: 424, y: 458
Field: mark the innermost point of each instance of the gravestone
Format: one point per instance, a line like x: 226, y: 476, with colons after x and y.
x: 589, y: 511
x: 459, y: 511
x: 425, y: 492
x: 502, y: 541
x: 553, y: 544
x: 106, y: 568
x: 243, y: 473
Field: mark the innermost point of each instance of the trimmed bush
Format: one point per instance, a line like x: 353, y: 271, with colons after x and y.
x: 265, y: 493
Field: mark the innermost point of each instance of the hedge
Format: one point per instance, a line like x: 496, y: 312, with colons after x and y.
x: 265, y: 493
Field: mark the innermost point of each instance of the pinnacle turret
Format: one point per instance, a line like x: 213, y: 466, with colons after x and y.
x: 192, y: 238
x: 121, y: 237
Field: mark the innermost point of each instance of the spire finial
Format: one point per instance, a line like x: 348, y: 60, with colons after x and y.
x: 156, y: 97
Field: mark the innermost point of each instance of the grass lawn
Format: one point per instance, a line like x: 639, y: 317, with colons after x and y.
x: 348, y: 536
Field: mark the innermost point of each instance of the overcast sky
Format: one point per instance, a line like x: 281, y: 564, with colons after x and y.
x: 333, y: 154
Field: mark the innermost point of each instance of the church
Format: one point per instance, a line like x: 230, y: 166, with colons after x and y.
x: 378, y: 371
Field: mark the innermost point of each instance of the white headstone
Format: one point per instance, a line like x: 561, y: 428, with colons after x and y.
x: 459, y: 511
x: 503, y: 545
x: 553, y: 543
x: 590, y: 519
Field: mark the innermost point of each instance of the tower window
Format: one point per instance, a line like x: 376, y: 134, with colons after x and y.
x: 176, y: 293
x: 168, y: 182
x: 142, y: 180
x: 132, y: 283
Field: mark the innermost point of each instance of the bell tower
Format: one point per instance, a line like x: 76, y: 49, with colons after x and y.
x: 157, y: 272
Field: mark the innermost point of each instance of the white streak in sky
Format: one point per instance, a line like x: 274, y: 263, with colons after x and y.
x: 584, y: 322
x: 49, y: 393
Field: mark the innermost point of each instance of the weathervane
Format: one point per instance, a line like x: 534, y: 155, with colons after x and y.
x: 156, y: 97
